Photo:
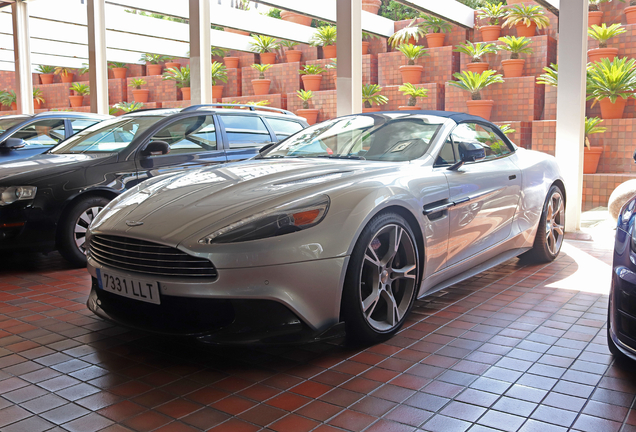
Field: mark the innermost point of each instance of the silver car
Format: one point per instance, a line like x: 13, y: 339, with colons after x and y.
x: 341, y: 226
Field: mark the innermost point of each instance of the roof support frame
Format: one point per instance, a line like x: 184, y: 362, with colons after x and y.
x: 449, y: 10
x: 98, y: 72
x: 349, y: 48
x: 22, y: 57
x: 200, y: 67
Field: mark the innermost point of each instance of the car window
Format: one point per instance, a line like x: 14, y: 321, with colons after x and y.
x: 9, y: 122
x: 494, y: 146
x: 244, y: 130
x: 189, y: 135
x: 81, y: 124
x: 44, y: 132
x: 283, y: 128
x: 447, y: 154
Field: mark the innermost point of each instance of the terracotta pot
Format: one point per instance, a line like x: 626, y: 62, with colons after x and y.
x: 477, y: 67
x: 295, y: 18
x: 76, y: 101
x: 119, y: 72
x: 591, y: 157
x: 37, y: 104
x: 14, y: 106
x: 241, y: 32
x: 594, y: 18
x: 311, y: 82
x: 527, y: 31
x: 630, y: 14
x: 268, y: 58
x: 185, y: 92
x: 372, y: 6
x: 310, y: 114
x: 168, y: 65
x: 231, y: 62
x: 490, y: 32
x: 411, y: 73
x: 597, y: 54
x: 329, y: 51
x: 67, y: 78
x: 372, y: 109
x: 217, y: 91
x: 611, y: 110
x: 153, y: 69
x: 261, y: 86
x: 409, y: 108
x: 435, y: 40
x: 140, y: 95
x: 480, y: 108
x: 513, y: 68
x: 365, y: 47
x: 293, y: 55
x: 47, y: 78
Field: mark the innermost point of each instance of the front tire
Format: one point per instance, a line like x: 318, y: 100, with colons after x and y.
x: 381, y: 281
x: 551, y: 229
x: 73, y: 227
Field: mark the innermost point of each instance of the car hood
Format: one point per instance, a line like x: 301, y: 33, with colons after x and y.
x: 171, y: 209
x: 29, y: 170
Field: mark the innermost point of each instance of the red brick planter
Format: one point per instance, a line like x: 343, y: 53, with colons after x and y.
x: 76, y: 101
x: 311, y: 115
x: 295, y: 18
x: 411, y: 73
x: 372, y: 6
x: 594, y: 18
x: 293, y: 55
x: 119, y: 72
x: 630, y: 14
x: 268, y: 58
x: 480, y: 108
x: 611, y: 110
x: 311, y: 82
x: 153, y: 69
x: 174, y: 65
x: 329, y: 51
x: 435, y: 40
x: 47, y: 78
x: 217, y: 91
x: 513, y: 68
x: 261, y: 86
x: 231, y: 62
x: 591, y: 158
x: 185, y: 92
x: 67, y: 78
x: 141, y: 95
x: 490, y: 33
x: 409, y: 108
x: 527, y: 31
x: 478, y: 67
x: 597, y: 54
x: 365, y: 47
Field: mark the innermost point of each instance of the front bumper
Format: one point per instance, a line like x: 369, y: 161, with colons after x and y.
x: 622, y: 311
x: 26, y: 228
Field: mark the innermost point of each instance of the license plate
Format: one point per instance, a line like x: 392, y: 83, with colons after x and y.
x: 127, y: 286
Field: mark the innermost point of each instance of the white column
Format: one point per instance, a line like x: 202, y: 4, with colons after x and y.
x: 22, y: 56
x: 98, y: 75
x: 571, y: 104
x: 200, y: 59
x: 349, y: 45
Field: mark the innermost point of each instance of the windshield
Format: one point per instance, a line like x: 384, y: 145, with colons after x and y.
x: 108, y: 136
x: 10, y: 122
x: 385, y: 137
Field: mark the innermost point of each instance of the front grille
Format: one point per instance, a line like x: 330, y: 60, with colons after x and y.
x: 145, y: 257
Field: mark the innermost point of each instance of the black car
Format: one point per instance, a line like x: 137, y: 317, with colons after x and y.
x: 47, y: 201
x: 26, y: 135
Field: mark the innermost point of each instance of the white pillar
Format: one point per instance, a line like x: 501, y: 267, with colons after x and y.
x: 349, y: 43
x: 22, y: 57
x: 98, y: 75
x: 571, y: 104
x: 200, y: 59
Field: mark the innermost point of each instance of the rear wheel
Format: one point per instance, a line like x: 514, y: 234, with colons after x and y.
x: 73, y: 227
x: 551, y: 230
x: 381, y: 280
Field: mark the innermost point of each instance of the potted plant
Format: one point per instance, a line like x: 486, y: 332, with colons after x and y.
x: 152, y: 63
x: 295, y: 18
x: 9, y: 99
x: 266, y: 47
x: 630, y: 12
x: 311, y: 76
x: 38, y: 99
x: 366, y: 42
x: 409, y: 34
x: 371, y: 6
x: 119, y: 69
x: 128, y: 106
x: 292, y: 55
x: 474, y: 84
x: 47, y: 73
x: 592, y: 155
x: 476, y: 51
x: 219, y: 74
x: 169, y: 63
x: 139, y: 94
x: 611, y: 83
x: 181, y: 77
x: 81, y: 90
x: 493, y: 13
x: 261, y: 84
x: 594, y: 13
x: 310, y: 114
x: 550, y: 76
x: 371, y: 95
x: 602, y: 34
x: 413, y: 93
x: 216, y: 52
x: 325, y: 37
x: 436, y: 29
x: 513, y: 67
x: 411, y: 72
x: 231, y: 62
x: 527, y: 19
x: 66, y: 74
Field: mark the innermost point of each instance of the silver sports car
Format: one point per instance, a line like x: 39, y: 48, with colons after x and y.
x: 341, y: 226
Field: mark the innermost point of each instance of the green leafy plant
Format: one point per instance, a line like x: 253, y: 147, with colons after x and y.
x: 136, y: 83
x: 311, y: 69
x: 476, y: 50
x: 526, y: 15
x: 63, y: 70
x: 216, y: 52
x: 591, y: 127
x: 433, y: 24
x: 550, y: 76
x: 515, y: 45
x: 371, y: 95
x: 325, y: 35
x: 84, y: 69
x: 180, y: 75
x: 128, y: 106
x: 404, y: 35
x: 287, y: 44
x: 474, y: 83
x: 272, y: 13
x: 413, y: 93
x: 219, y: 72
x: 333, y: 64
x: 396, y: 11
x: 261, y: 68
x: 264, y: 102
x: 263, y: 44
x: 151, y: 58
x: 8, y: 97
x: 603, y: 33
x: 80, y: 89
x: 304, y: 96
x: 113, y: 65
x: 507, y: 129
x: 44, y: 69
x: 412, y: 52
x: 368, y: 36
x: 37, y: 95
x: 112, y: 110
x: 492, y: 12
x: 594, y: 4
x: 611, y: 80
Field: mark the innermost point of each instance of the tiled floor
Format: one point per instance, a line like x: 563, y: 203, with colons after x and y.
x: 516, y: 348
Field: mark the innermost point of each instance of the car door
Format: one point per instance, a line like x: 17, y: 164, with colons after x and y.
x: 485, y: 193
x: 193, y: 143
x: 244, y: 135
x: 38, y: 136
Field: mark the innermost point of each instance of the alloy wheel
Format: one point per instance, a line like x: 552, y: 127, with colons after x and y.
x: 81, y: 226
x: 554, y: 223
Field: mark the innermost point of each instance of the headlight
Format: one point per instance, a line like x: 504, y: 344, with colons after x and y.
x: 12, y: 194
x: 284, y: 219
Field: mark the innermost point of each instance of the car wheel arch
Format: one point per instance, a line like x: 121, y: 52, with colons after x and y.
x: 561, y: 185
x: 70, y: 202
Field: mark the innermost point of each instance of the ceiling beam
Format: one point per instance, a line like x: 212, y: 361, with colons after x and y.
x: 551, y: 5
x: 449, y: 10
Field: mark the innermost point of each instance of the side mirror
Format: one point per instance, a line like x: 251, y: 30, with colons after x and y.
x: 266, y: 147
x: 469, y: 151
x: 13, y: 143
x: 156, y: 148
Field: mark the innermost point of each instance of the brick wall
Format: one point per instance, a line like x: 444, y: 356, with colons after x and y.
x: 329, y: 77
x: 434, y: 101
x: 439, y: 66
x: 285, y: 78
x: 597, y: 188
x: 275, y: 100
x: 522, y: 135
x: 325, y: 101
x: 160, y: 89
